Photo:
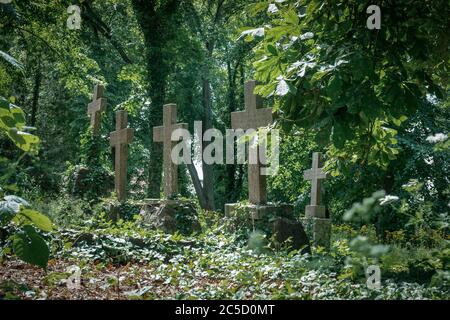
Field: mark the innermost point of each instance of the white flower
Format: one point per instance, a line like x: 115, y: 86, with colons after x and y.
x: 307, y: 36
x: 282, y: 88
x: 429, y: 160
x: 272, y: 8
x: 388, y: 199
x: 259, y: 32
x: 438, y: 137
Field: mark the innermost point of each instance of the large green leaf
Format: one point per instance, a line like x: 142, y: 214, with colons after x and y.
x: 12, y: 122
x: 29, y: 246
x: 38, y: 219
x: 23, y: 140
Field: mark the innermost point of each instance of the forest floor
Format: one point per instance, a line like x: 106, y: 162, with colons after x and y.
x: 122, y: 261
x: 105, y: 282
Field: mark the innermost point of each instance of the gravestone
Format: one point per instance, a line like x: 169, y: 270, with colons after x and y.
x: 317, y: 225
x: 81, y: 182
x: 96, y: 107
x: 255, y: 117
x: 170, y: 214
x: 120, y: 139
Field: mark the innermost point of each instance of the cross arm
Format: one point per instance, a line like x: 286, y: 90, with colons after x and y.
x: 124, y: 136
x: 263, y: 117
x: 311, y: 174
x: 97, y: 105
x: 158, y: 134
x: 240, y: 120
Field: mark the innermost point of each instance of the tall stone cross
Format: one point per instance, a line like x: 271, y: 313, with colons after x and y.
x: 316, y: 175
x: 120, y: 139
x: 96, y: 107
x: 164, y: 134
x: 254, y: 118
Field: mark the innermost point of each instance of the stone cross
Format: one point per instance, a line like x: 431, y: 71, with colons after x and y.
x: 164, y: 134
x: 120, y: 139
x: 316, y: 175
x: 96, y: 107
x: 254, y: 118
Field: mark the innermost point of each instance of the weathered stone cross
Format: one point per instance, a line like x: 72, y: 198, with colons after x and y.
x: 164, y: 134
x: 120, y: 139
x: 254, y: 118
x: 316, y: 175
x: 96, y: 107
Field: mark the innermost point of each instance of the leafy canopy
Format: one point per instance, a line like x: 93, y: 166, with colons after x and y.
x: 330, y: 73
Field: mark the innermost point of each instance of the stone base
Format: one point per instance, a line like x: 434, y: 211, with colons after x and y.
x: 318, y: 230
x: 277, y: 221
x: 315, y: 212
x: 259, y: 211
x: 171, y: 215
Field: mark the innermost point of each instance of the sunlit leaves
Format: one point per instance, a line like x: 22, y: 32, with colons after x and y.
x: 12, y: 123
x: 28, y: 216
x: 337, y: 69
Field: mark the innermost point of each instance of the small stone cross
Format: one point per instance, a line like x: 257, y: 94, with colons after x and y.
x: 316, y: 175
x: 96, y: 107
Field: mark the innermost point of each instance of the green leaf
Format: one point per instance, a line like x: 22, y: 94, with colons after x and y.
x: 23, y: 140
x: 19, y: 116
x: 29, y: 246
x: 334, y: 87
x: 38, y: 219
x: 271, y: 48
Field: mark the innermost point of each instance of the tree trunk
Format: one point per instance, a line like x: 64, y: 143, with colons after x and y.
x: 198, y: 186
x: 36, y: 90
x: 240, y: 167
x: 208, y: 170
x: 232, y: 194
x: 156, y: 23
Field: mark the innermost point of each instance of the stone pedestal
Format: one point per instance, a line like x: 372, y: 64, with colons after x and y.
x: 277, y: 220
x: 171, y: 215
x: 259, y: 211
x: 318, y: 230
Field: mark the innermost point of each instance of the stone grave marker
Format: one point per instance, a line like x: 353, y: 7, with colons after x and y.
x: 120, y: 139
x: 284, y: 226
x: 316, y: 224
x: 96, y: 107
x: 254, y: 117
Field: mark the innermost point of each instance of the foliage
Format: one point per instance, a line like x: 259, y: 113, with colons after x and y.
x: 91, y: 178
x: 27, y: 243
x: 12, y: 123
x: 331, y: 74
x: 217, y: 265
x: 375, y: 102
